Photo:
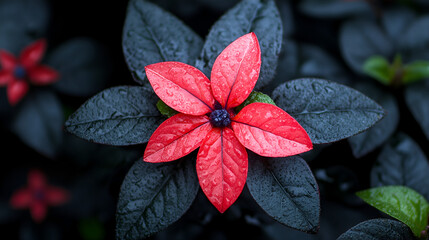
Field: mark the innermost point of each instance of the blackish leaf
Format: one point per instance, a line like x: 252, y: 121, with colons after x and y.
x: 417, y: 99
x: 334, y: 8
x: 378, y: 229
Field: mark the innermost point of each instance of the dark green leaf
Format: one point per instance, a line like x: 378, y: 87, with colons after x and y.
x: 417, y: 99
x: 369, y: 140
x: 153, y: 196
x: 402, y: 162
x: 255, y: 97
x: 38, y: 122
x: 153, y: 35
x: 258, y: 16
x: 362, y: 39
x: 415, y: 71
x: 334, y: 8
x: 379, y: 68
x: 83, y: 67
x: 378, y: 229
x: 400, y: 202
x: 328, y: 111
x: 165, y: 110
x: 117, y: 116
x: 286, y: 190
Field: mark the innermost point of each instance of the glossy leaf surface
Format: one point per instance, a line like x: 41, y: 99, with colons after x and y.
x: 222, y: 167
x: 374, y: 137
x: 236, y: 71
x: 417, y: 100
x: 402, y: 162
x: 116, y: 116
x: 176, y: 137
x: 286, y: 190
x: 38, y: 122
x: 255, y: 97
x: 269, y: 131
x: 328, y: 111
x: 378, y: 229
x: 153, y: 196
x: 258, y: 16
x: 181, y: 86
x: 400, y: 202
x: 81, y: 74
x: 153, y: 35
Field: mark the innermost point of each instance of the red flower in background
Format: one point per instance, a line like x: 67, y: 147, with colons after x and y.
x: 16, y: 72
x: 207, y: 120
x: 38, y: 195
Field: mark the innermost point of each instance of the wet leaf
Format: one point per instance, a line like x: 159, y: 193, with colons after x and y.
x: 417, y: 100
x: 269, y: 131
x: 153, y: 196
x: 255, y: 97
x: 328, y: 111
x: 402, y: 162
x: 334, y: 8
x: 258, y: 16
x: 38, y: 122
x: 176, y: 137
x: 378, y: 229
x: 153, y: 35
x: 116, y: 116
x: 400, y: 202
x: 286, y: 190
x: 374, y: 137
x: 81, y: 74
x: 222, y: 167
x: 165, y: 110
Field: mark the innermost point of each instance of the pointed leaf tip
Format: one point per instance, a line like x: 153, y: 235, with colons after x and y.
x: 269, y: 131
x: 236, y: 71
x: 222, y: 168
x: 181, y: 86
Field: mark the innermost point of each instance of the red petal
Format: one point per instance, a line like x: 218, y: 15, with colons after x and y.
x: 21, y: 198
x: 222, y: 167
x: 38, y: 211
x: 33, y: 53
x: 56, y: 196
x: 36, y: 179
x: 236, y: 71
x: 181, y: 86
x: 7, y: 60
x: 42, y: 75
x: 269, y: 131
x: 16, y: 90
x: 176, y: 137
x: 6, y: 76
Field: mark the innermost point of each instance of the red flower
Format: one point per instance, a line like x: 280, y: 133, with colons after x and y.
x: 16, y: 72
x: 207, y: 120
x: 38, y: 195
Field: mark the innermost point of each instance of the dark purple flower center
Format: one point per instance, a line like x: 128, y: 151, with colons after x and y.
x: 39, y: 195
x: 19, y: 72
x: 220, y: 118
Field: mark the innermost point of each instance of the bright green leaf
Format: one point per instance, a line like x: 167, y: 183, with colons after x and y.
x: 165, y: 110
x: 255, y: 97
x: 415, y: 71
x: 400, y: 202
x: 379, y: 68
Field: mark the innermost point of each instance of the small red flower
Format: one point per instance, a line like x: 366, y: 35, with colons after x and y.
x: 38, y: 195
x: 207, y: 120
x: 16, y: 72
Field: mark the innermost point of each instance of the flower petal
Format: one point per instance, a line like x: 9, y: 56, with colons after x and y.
x: 56, y: 196
x: 42, y: 75
x: 36, y: 179
x: 181, y: 86
x: 269, y: 131
x: 33, y: 53
x: 21, y: 198
x: 38, y: 211
x: 236, y: 71
x: 222, y: 167
x: 7, y: 60
x: 16, y: 90
x: 176, y: 137
x: 6, y: 76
